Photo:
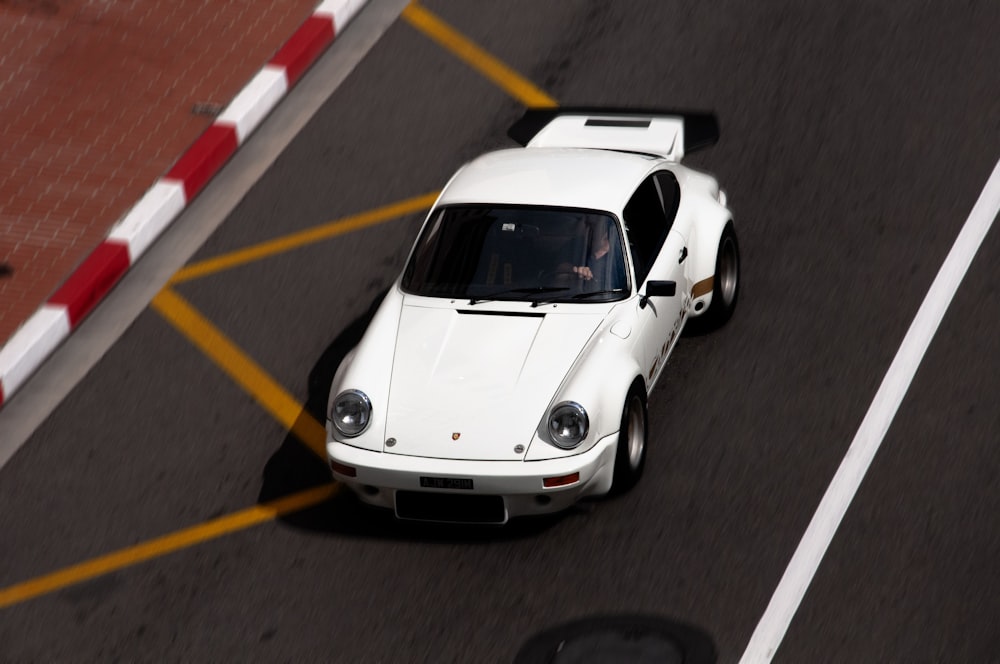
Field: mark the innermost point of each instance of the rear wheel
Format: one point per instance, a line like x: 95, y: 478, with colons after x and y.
x: 726, y: 282
x: 630, y: 457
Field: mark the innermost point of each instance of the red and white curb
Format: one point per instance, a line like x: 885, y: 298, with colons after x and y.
x: 48, y: 327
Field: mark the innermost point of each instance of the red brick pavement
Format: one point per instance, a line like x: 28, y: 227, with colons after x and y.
x: 97, y: 100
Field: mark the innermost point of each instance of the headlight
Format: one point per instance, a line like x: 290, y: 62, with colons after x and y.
x: 351, y: 412
x: 568, y: 424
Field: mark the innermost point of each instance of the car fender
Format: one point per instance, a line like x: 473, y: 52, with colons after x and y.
x: 598, y: 381
x: 706, y: 205
x: 368, y: 367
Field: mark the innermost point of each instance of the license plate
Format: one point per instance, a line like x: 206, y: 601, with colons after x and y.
x: 446, y: 483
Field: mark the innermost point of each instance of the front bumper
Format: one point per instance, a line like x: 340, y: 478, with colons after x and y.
x: 380, y: 476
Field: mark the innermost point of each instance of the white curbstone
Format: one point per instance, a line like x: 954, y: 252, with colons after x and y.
x: 31, y: 344
x: 149, y: 217
x: 255, y: 101
x: 341, y: 11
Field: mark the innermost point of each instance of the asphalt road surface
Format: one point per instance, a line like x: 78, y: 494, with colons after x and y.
x: 856, y: 137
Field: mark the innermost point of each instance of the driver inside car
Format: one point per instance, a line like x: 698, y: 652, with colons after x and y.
x: 603, y: 266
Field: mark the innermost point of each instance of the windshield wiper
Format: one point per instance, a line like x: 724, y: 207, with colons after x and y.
x: 583, y: 296
x: 531, y: 290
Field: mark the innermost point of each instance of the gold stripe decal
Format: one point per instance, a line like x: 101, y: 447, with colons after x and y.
x: 703, y: 287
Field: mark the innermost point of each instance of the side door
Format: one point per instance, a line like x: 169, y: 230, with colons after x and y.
x: 658, y: 254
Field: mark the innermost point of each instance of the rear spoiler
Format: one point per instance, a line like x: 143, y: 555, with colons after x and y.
x: 668, y: 134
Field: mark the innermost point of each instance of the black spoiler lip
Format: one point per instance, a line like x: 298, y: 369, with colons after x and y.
x: 701, y: 128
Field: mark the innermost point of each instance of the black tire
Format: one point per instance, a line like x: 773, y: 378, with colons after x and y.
x: 630, y: 456
x: 726, y: 281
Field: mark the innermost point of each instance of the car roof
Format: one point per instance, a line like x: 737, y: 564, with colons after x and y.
x: 564, y: 177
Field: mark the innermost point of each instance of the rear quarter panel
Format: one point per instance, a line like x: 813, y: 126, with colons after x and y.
x: 704, y: 218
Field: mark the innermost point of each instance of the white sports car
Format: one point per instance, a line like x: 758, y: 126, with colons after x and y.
x: 507, y: 369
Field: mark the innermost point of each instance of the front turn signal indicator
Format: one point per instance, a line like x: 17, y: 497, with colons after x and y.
x: 562, y: 480
x: 342, y: 469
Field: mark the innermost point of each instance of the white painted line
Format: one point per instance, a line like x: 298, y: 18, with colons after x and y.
x: 816, y: 540
x: 31, y: 344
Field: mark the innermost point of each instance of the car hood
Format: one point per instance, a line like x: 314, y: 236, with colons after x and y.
x: 474, y: 383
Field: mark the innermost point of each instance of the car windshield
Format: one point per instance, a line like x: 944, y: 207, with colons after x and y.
x: 518, y: 253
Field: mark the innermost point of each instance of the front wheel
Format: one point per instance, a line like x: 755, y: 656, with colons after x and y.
x: 630, y: 457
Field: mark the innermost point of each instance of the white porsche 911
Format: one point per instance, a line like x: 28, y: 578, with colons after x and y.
x: 507, y: 369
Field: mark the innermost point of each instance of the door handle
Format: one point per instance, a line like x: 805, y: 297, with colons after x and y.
x: 684, y: 254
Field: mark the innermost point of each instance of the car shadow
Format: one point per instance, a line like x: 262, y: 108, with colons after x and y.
x: 700, y: 327
x: 620, y: 639
x: 294, y: 468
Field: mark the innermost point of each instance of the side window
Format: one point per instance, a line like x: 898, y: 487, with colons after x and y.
x: 670, y: 193
x: 647, y: 227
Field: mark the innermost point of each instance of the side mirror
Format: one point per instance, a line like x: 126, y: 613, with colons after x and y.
x: 661, y: 289
x: 658, y: 289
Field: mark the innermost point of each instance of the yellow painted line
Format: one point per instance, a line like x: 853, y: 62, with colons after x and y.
x: 513, y: 83
x: 161, y: 546
x: 238, y: 365
x: 296, y: 240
